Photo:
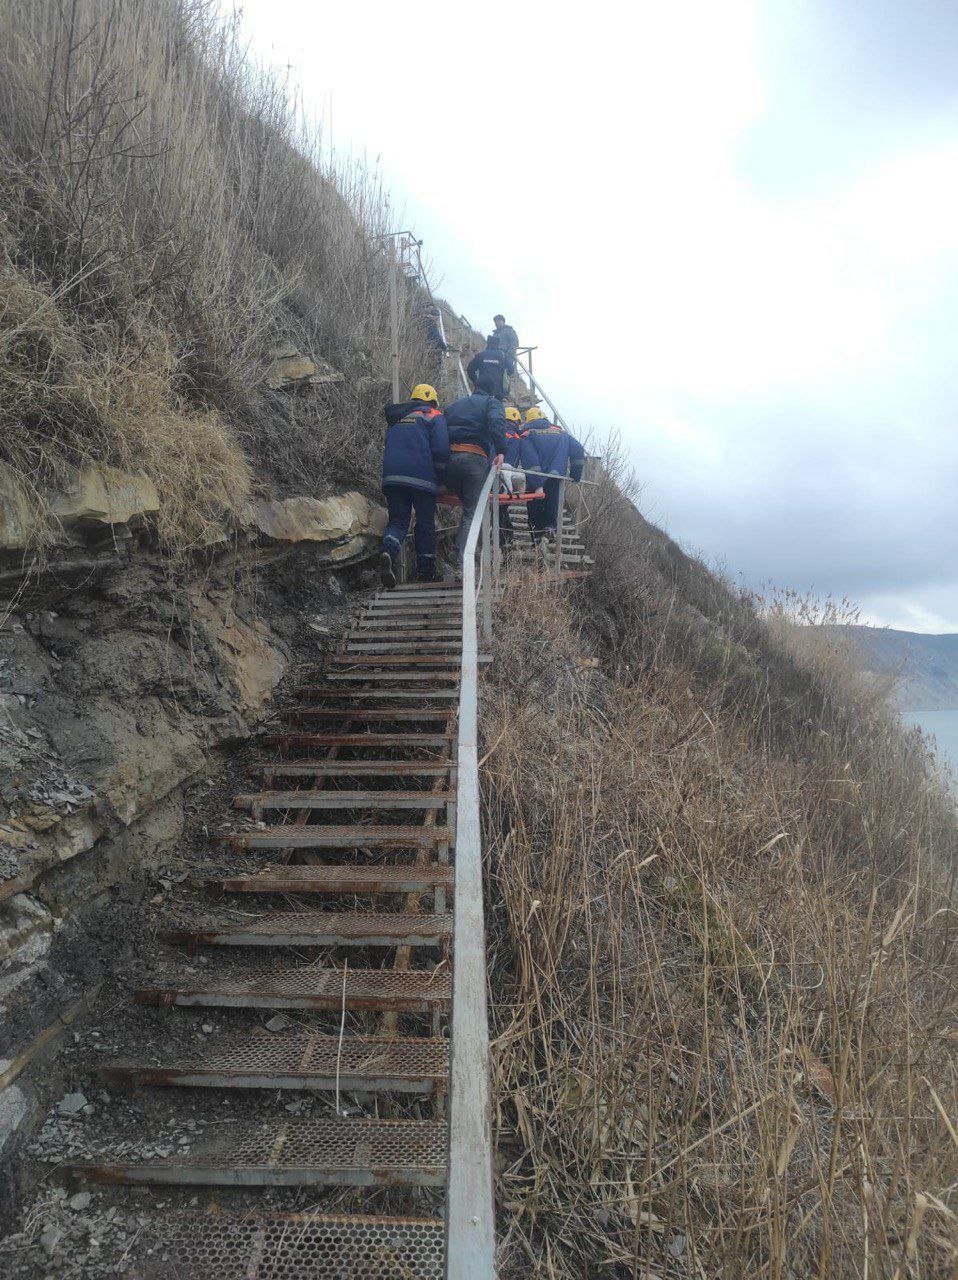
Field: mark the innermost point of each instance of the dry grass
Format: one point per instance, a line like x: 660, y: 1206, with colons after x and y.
x: 724, y: 947
x: 167, y: 219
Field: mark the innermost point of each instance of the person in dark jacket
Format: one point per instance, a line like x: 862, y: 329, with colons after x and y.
x: 558, y: 454
x: 415, y: 458
x: 477, y: 438
x: 506, y: 340
x: 488, y: 371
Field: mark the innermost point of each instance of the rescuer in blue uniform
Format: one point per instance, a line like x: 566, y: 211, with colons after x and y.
x: 489, y: 370
x: 415, y: 458
x: 557, y: 454
x: 477, y: 439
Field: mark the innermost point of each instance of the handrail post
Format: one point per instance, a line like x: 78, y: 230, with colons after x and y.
x: 470, y: 1207
x: 559, y: 521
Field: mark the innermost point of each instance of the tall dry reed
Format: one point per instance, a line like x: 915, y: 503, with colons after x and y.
x: 723, y: 982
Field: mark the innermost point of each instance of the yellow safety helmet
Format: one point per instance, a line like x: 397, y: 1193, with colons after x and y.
x: 425, y: 392
x: 534, y: 414
x: 513, y: 414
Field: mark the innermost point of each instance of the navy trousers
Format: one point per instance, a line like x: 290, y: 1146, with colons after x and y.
x: 544, y: 512
x: 401, y: 501
x: 465, y: 476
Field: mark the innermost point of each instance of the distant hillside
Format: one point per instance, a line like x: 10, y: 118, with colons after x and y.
x: 927, y: 665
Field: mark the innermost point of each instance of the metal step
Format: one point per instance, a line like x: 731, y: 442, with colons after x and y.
x: 291, y: 1246
x: 309, y: 987
x: 398, y: 607
x: 336, y: 879
x: 395, y: 660
x: 318, y: 691
x: 411, y: 600
x: 568, y: 561
x: 378, y: 677
x: 343, y: 800
x: 427, y: 629
x: 427, y: 768
x: 285, y: 741
x: 298, y: 1153
x: 406, y: 589
x: 340, y: 837
x: 359, y: 645
x: 568, y: 539
x: 398, y: 715
x: 329, y: 837
x: 259, y: 1060
x: 316, y: 929
x: 413, y: 590
x: 420, y: 615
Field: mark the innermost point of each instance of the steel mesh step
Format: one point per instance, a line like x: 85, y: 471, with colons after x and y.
x: 311, y: 692
x: 337, y: 879
x: 330, y: 837
x: 300, y: 768
x: 303, y: 1061
x: 348, y: 660
x: 399, y: 715
x: 299, y: 741
x: 310, y: 987
x: 359, y: 645
x: 316, y: 929
x: 406, y: 628
x: 343, y: 800
x: 360, y: 1153
x: 405, y: 677
x: 293, y: 1246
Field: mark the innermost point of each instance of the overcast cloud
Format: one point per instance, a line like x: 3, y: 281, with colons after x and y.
x: 732, y: 230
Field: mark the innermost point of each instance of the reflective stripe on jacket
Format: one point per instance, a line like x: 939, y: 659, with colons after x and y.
x: 556, y: 451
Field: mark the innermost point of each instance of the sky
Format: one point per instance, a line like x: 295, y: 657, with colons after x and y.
x: 731, y: 231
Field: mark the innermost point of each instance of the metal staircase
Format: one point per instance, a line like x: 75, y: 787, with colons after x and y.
x: 348, y: 897
x: 354, y: 862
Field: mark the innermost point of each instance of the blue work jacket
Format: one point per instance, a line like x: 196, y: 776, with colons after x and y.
x: 556, y: 451
x: 417, y: 446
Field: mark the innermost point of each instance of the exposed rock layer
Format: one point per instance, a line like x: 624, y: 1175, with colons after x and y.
x: 120, y: 686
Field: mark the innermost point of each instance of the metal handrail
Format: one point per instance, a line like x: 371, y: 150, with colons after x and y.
x: 538, y: 391
x: 470, y: 1207
x: 408, y: 242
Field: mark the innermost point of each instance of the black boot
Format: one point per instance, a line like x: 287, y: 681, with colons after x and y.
x: 388, y: 569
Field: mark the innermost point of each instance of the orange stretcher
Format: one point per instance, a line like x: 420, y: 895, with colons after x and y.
x: 505, y: 499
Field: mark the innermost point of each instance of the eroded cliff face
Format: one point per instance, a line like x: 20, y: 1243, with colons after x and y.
x: 124, y: 683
